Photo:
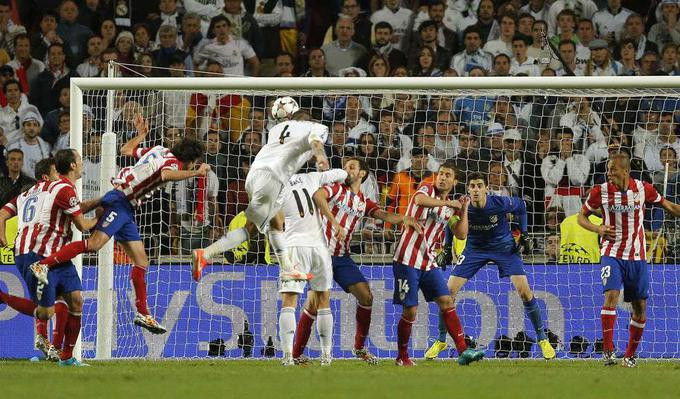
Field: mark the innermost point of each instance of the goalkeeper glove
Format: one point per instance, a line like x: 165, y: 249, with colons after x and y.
x: 444, y: 257
x: 526, y: 243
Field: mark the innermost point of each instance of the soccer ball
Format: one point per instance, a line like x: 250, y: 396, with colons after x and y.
x: 284, y: 108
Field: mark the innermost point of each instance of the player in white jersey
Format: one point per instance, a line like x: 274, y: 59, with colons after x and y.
x: 290, y: 145
x: 154, y: 168
x: 307, y: 246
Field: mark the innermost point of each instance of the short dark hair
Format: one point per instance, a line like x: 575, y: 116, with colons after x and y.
x: 15, y: 150
x: 526, y: 39
x: 501, y: 55
x: 622, y: 157
x: 188, y: 150
x: 43, y: 167
x: 383, y: 25
x: 63, y: 160
x: 10, y: 82
x: 450, y: 164
x: 472, y: 29
x: 362, y: 165
x: 285, y: 54
x: 21, y: 36
x: 566, y: 41
x: 55, y: 44
x: 478, y: 176
x: 301, y: 115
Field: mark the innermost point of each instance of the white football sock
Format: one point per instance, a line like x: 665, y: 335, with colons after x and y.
x: 287, y: 326
x: 228, y: 241
x: 324, y: 327
x: 277, y: 240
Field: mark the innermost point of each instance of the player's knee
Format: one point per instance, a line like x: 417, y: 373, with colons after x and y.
x: 367, y: 299
x: 445, y: 301
x: 410, y: 313
x: 525, y: 294
x: 75, y: 303
x: 611, y: 298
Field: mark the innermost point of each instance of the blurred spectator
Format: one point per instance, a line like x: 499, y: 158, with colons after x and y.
x: 64, y: 139
x: 167, y: 50
x: 50, y: 129
x: 503, y: 45
x: 393, y: 143
x: 191, y: 32
x: 425, y: 140
x: 73, y: 33
x: 216, y: 151
x: 362, y: 25
x: 467, y: 160
x: 108, y: 31
x: 228, y: 50
x: 635, y: 29
x: 501, y: 65
x: 539, y: 47
x: 474, y: 111
x: 552, y: 248
x: 668, y: 156
x: 343, y: 52
x: 398, y: 17
x: 16, y: 181
x: 405, y: 183
x: 247, y: 147
x: 440, y: 56
x: 237, y: 196
x: 567, y: 50
x: 284, y: 65
x: 521, y: 63
x: 533, y: 187
x: 168, y: 14
x: 669, y: 59
x: 92, y: 13
x: 242, y: 23
x: 108, y: 55
x: 665, y: 138
x: 565, y: 174
x: 367, y: 149
x: 383, y: 46
x: 554, y: 216
x: 8, y: 29
x: 447, y: 37
x: 91, y: 66
x: 44, y: 93
x: 583, y: 122
x: 601, y: 62
x: 144, y: 66
x: 580, y: 8
x: 667, y: 30
x: 513, y: 163
x: 498, y: 179
x: 629, y: 65
x: 378, y: 66
x: 446, y: 142
x: 525, y: 24
x: 356, y: 120
x: 92, y: 149
x: 609, y: 21
x: 585, y: 32
x: 539, y: 9
x: 487, y: 26
x: 645, y: 132
x: 492, y: 149
x: 317, y: 64
x: 472, y: 55
x: 649, y: 64
x: 426, y: 63
x: 125, y: 49
x: 26, y: 67
x: 142, y: 35
x: 46, y: 35
x: 33, y: 147
x: 336, y: 148
x: 566, y: 27
x: 10, y: 114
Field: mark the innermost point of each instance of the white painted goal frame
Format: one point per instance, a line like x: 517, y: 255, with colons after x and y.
x: 591, y: 86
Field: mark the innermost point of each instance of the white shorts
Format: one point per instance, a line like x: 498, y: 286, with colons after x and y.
x: 266, y: 197
x: 315, y: 260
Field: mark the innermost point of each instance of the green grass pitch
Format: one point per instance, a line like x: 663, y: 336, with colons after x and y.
x: 344, y: 379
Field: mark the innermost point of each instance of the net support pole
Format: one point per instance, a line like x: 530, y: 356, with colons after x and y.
x: 76, y: 128
x: 105, y: 315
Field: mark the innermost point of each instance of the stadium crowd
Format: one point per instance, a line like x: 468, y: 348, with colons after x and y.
x: 545, y: 149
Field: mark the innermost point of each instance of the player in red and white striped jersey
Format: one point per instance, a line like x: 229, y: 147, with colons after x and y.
x: 342, y: 206
x: 154, y: 167
x: 415, y: 264
x: 622, y: 199
x: 45, y: 213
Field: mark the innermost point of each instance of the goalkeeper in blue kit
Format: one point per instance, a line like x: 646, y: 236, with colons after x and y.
x: 489, y: 239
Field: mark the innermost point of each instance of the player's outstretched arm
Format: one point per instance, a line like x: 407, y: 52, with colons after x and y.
x: 321, y: 200
x: 395, y: 218
x: 84, y: 224
x: 671, y: 207
x: 177, y: 175
x: 430, y: 202
x: 90, y: 204
x: 142, y: 130
x: 320, y: 154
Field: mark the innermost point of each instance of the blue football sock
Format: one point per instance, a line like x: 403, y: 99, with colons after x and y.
x: 534, y: 314
x: 442, y: 329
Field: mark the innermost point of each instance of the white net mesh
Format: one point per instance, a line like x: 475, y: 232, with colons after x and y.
x: 517, y: 136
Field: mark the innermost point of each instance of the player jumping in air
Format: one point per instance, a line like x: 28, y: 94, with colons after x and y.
x: 489, y: 239
x: 307, y: 246
x: 291, y: 144
x: 622, y: 246
x: 45, y: 214
x: 342, y: 206
x: 155, y: 167
x: 414, y: 264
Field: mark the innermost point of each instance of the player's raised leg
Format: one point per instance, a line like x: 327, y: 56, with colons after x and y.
x: 533, y: 313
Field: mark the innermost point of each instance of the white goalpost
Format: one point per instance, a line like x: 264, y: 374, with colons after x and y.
x: 212, y: 315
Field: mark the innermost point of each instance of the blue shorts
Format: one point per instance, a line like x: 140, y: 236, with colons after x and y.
x: 118, y: 220
x: 470, y: 261
x: 346, y: 273
x: 407, y: 281
x: 632, y: 274
x: 63, y: 279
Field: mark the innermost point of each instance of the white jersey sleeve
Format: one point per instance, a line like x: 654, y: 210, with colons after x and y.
x: 303, y: 222
x: 289, y: 147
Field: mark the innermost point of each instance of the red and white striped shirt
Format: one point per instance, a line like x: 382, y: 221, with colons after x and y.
x: 45, y: 212
x: 145, y: 175
x: 623, y: 210
x: 348, y: 208
x: 418, y: 250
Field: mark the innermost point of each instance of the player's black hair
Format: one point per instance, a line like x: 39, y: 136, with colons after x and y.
x: 478, y: 176
x: 362, y: 165
x: 43, y: 167
x: 301, y: 115
x: 450, y: 164
x: 63, y: 160
x: 188, y: 150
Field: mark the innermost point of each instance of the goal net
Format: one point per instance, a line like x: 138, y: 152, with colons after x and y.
x: 543, y: 139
